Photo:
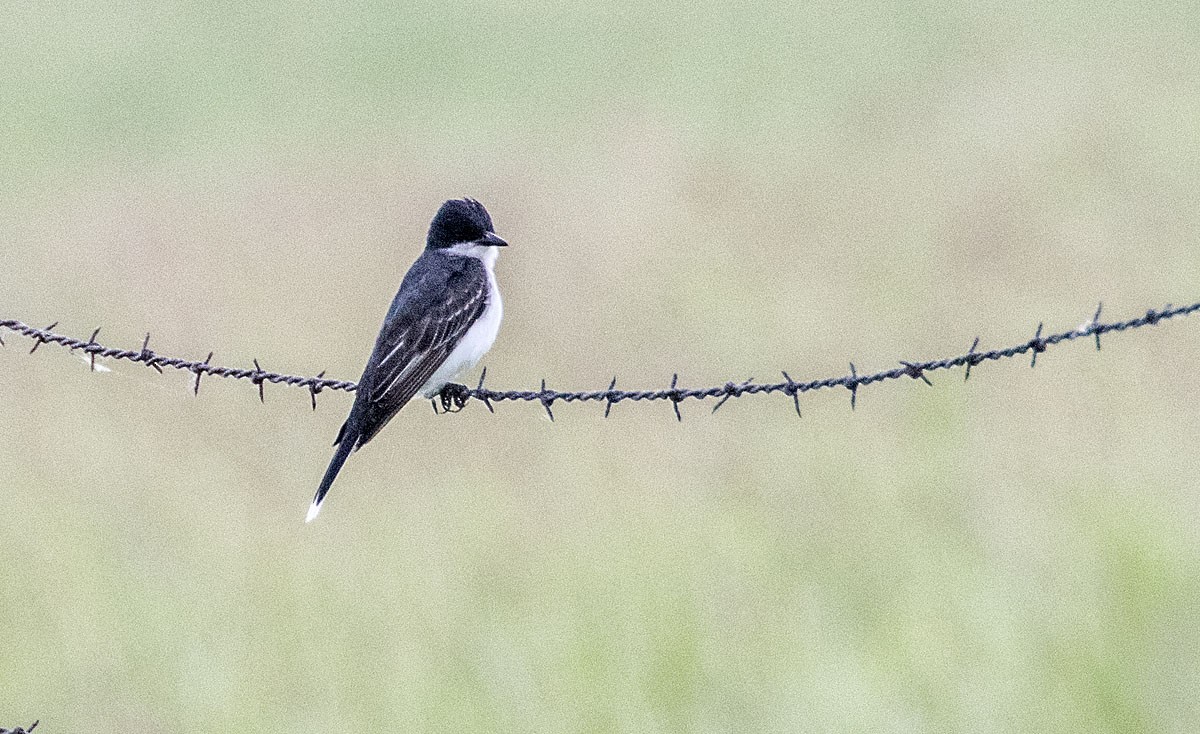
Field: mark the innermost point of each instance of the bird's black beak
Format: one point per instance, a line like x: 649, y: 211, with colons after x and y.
x: 491, y: 239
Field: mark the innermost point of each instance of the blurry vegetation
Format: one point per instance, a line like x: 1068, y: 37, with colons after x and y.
x: 725, y: 190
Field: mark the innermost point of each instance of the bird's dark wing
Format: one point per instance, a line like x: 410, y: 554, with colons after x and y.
x: 429, y: 316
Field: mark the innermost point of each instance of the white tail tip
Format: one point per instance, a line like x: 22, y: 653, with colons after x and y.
x: 313, y: 510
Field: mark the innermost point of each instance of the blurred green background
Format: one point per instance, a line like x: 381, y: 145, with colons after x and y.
x: 722, y: 191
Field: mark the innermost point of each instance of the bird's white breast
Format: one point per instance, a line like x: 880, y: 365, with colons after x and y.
x: 478, y: 339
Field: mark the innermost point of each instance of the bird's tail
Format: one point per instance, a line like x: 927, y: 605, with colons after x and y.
x: 345, y: 445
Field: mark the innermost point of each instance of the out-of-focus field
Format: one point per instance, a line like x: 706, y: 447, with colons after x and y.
x: 720, y: 192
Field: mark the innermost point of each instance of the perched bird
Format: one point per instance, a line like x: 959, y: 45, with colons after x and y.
x: 442, y: 321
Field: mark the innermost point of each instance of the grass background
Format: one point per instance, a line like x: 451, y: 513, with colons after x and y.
x: 720, y: 191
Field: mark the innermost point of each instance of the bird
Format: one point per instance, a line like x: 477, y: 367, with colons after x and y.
x: 444, y: 318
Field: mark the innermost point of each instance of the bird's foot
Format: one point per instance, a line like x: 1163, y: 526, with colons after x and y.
x: 454, y: 397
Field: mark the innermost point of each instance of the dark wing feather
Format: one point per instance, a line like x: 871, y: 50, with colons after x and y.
x: 425, y: 323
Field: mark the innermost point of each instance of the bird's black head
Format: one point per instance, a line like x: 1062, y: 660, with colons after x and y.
x: 461, y: 221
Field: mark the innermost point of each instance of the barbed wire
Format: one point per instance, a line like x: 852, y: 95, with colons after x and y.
x: 455, y: 397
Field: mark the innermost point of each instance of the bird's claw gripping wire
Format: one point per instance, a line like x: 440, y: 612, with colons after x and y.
x: 454, y: 397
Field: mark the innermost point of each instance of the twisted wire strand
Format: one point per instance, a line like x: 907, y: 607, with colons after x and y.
x: 455, y: 397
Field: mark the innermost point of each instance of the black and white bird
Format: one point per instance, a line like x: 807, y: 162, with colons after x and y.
x: 443, y: 320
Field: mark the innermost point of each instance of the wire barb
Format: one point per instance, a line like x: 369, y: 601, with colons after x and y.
x: 790, y: 388
x: 674, y: 394
x: 547, y: 397
x: 972, y: 359
x: 732, y: 391
x: 852, y: 384
x: 916, y: 372
x: 608, y: 396
x: 200, y: 369
x: 1037, y: 344
x: 40, y: 339
x: 315, y: 388
x: 92, y: 356
x: 257, y: 379
x: 147, y: 357
x: 483, y: 393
